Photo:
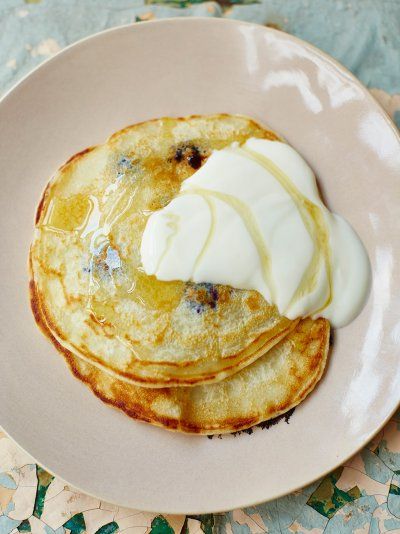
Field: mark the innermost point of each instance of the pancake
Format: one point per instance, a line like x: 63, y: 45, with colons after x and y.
x: 278, y: 381
x: 88, y: 288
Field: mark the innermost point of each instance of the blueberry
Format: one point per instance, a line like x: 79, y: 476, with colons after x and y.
x: 191, y: 154
x: 200, y: 297
x: 125, y: 162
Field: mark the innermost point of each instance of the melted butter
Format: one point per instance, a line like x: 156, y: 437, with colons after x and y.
x: 252, y: 218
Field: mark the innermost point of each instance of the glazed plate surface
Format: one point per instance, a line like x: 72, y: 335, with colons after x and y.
x: 176, y: 68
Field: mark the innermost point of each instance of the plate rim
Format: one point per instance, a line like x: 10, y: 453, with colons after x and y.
x: 208, y: 20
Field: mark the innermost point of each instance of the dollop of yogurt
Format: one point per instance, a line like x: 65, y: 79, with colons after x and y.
x: 252, y: 218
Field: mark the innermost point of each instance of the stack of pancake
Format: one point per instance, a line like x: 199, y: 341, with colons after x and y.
x: 198, y: 358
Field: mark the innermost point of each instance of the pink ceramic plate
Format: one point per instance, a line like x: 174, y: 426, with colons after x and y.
x: 179, y: 67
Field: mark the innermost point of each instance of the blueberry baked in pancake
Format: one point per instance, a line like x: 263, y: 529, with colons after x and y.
x: 188, y: 271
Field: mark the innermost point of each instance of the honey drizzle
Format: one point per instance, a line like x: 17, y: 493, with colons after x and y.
x: 173, y: 223
x: 314, y: 222
x: 251, y: 225
x: 210, y: 234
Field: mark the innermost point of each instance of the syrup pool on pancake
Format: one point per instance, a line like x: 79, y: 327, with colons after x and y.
x: 252, y: 218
